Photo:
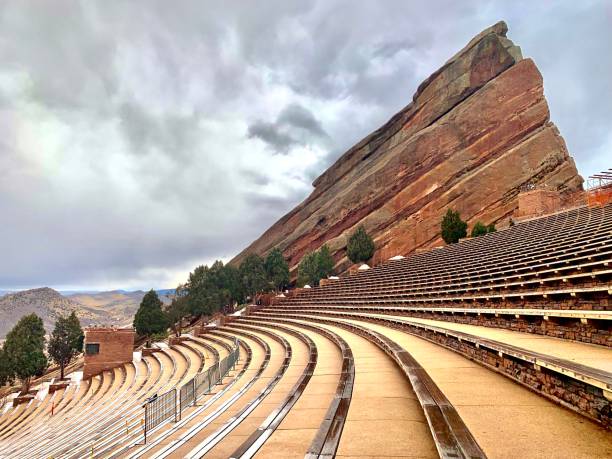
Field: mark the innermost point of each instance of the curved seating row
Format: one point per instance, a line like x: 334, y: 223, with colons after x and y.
x: 95, y: 413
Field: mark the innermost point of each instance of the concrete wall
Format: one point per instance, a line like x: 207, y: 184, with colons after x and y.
x: 116, y: 348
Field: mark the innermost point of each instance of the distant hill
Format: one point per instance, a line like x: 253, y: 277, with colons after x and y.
x: 115, y: 307
x: 45, y: 302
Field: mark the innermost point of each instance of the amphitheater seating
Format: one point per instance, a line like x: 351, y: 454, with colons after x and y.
x: 497, y: 346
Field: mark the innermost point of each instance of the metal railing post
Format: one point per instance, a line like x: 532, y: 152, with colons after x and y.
x: 145, y: 423
x: 177, y: 412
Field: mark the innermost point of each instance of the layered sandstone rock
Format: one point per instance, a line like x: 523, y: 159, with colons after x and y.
x: 476, y: 132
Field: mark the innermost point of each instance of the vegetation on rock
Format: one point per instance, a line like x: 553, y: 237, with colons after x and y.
x: 360, y: 247
x: 452, y: 227
x: 315, y: 266
x: 481, y: 229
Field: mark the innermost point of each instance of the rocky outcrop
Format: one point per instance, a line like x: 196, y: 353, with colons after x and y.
x: 476, y: 132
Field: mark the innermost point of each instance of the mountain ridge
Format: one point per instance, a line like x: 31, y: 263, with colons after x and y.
x: 475, y: 133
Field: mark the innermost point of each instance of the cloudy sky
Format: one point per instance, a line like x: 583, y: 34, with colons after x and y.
x: 140, y: 138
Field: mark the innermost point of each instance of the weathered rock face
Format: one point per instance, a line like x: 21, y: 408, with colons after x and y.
x: 476, y: 131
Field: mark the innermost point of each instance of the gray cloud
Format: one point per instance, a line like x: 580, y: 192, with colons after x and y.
x: 270, y: 134
x: 295, y: 125
x: 133, y: 149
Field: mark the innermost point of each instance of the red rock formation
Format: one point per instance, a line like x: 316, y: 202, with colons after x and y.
x: 476, y: 131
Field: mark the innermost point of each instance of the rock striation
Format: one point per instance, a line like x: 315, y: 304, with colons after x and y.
x: 477, y: 131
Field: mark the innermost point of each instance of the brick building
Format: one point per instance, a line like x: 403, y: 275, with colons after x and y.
x: 107, y: 348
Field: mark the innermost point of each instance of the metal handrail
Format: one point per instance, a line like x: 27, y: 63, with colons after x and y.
x: 160, y: 408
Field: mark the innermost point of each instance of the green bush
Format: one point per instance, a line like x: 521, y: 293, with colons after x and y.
x: 481, y: 229
x: 453, y: 228
x: 360, y: 247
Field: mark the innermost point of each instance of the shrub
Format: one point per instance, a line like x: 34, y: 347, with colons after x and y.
x: 479, y: 229
x: 453, y: 228
x: 360, y: 247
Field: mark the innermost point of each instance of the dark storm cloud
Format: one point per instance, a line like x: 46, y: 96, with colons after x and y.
x: 140, y: 138
x: 295, y: 125
x: 270, y: 134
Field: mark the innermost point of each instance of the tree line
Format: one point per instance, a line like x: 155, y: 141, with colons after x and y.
x: 26, y: 353
x: 211, y: 288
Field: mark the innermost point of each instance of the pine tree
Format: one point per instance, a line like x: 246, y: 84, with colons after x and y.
x: 177, y: 311
x: 66, y: 340
x: 453, y: 228
x: 253, y: 275
x: 24, y: 349
x: 6, y: 375
x: 325, y: 262
x: 150, y: 319
x: 491, y: 228
x: 308, y: 270
x: 360, y: 247
x: 277, y: 269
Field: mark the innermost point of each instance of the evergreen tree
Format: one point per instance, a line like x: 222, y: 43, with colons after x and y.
x: 325, y: 262
x: 491, y: 228
x: 277, y: 269
x: 453, y: 228
x: 253, y: 275
x: 150, y: 319
x: 6, y: 375
x: 24, y: 349
x: 226, y: 278
x: 360, y: 247
x: 204, y: 298
x: 210, y: 289
x: 66, y: 340
x: 177, y: 310
x: 479, y: 229
x: 232, y: 283
x: 308, y: 270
